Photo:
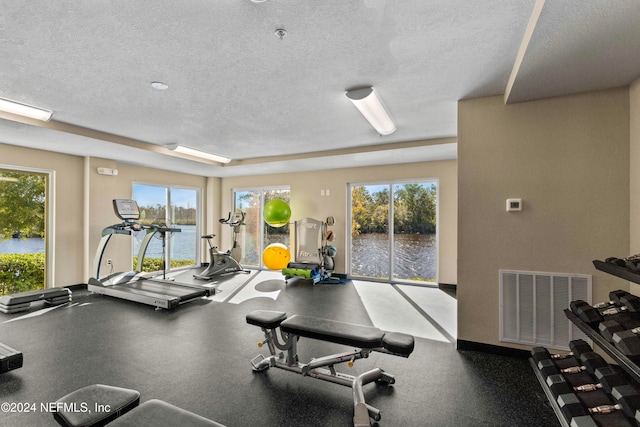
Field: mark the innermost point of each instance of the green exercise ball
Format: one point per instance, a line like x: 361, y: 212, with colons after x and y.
x: 276, y: 213
x: 276, y: 256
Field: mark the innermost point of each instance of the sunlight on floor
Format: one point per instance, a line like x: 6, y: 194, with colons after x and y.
x: 434, y: 318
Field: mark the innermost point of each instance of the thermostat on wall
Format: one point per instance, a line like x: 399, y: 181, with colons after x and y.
x: 514, y: 205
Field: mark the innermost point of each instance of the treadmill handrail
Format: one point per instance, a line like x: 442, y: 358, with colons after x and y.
x: 126, y: 227
x: 151, y: 231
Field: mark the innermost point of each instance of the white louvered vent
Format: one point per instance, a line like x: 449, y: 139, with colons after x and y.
x: 532, y: 307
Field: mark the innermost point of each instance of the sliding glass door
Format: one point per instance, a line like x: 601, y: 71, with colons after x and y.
x: 394, y: 231
x: 370, y: 239
x: 256, y: 234
x: 24, y: 231
x: 177, y: 208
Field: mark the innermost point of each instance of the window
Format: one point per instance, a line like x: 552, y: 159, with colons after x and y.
x: 24, y: 231
x: 393, y: 231
x: 183, y: 212
x: 256, y: 234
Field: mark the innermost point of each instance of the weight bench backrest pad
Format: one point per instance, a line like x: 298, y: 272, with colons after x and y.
x: 333, y: 331
x: 157, y: 413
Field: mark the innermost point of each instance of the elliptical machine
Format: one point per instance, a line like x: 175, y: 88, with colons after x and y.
x: 224, y: 262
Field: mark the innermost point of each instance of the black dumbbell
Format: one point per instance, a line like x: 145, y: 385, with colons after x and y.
x: 626, y: 399
x: 632, y: 262
x: 590, y: 362
x: 615, y: 419
x: 628, y: 342
x: 589, y: 314
x: 614, y: 298
x: 607, y: 378
x: 608, y: 328
x: 620, y: 262
x: 577, y: 348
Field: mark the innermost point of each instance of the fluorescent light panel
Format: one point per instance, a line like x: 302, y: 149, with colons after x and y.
x: 367, y: 101
x: 25, y: 110
x: 197, y: 153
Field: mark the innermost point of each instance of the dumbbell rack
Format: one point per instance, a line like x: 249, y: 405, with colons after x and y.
x: 628, y: 365
x: 625, y: 363
x: 550, y: 397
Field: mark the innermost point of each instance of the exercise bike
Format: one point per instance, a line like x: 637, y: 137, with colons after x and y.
x: 224, y: 262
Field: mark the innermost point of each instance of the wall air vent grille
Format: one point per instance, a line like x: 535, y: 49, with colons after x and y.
x: 532, y: 307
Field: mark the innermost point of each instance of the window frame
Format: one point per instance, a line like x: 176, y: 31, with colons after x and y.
x: 49, y: 218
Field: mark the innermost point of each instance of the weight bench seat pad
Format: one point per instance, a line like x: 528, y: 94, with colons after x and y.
x: 333, y: 331
x: 157, y: 413
x: 119, y: 400
x: 266, y: 319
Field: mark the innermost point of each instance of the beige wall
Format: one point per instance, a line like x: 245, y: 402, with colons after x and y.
x: 104, y: 188
x: 634, y: 173
x: 67, y: 253
x: 306, y: 201
x: 84, y: 207
x: 568, y: 159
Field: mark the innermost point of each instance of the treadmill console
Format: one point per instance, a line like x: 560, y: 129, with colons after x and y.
x: 126, y: 209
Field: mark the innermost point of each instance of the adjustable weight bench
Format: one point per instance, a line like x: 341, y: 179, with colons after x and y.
x: 365, y: 338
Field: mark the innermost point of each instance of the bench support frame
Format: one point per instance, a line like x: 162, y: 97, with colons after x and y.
x: 323, y: 368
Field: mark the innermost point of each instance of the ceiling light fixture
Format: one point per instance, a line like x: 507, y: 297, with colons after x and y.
x: 197, y: 153
x: 25, y: 110
x: 371, y: 107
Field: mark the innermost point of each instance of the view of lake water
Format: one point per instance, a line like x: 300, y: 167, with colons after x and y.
x: 182, y: 244
x: 415, y: 256
x: 20, y: 246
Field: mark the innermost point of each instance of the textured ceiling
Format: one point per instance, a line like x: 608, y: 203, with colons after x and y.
x: 277, y: 104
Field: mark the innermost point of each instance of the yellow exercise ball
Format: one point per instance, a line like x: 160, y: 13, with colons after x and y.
x: 276, y: 256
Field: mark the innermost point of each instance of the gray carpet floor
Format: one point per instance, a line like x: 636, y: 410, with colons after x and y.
x: 197, y: 357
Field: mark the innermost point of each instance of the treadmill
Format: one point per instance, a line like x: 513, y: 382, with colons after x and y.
x: 133, y: 285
